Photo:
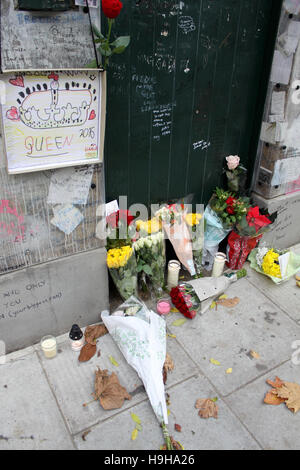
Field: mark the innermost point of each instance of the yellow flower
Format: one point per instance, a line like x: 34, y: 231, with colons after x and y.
x: 193, y: 219
x: 149, y: 226
x: 270, y: 264
x: 118, y: 257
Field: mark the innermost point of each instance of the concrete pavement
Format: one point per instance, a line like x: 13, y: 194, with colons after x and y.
x: 41, y: 400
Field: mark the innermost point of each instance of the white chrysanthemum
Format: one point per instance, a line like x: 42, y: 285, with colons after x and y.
x: 261, y: 253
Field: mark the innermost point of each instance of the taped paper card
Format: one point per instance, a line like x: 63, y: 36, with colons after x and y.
x: 67, y: 218
x: 70, y: 185
x: 281, y: 68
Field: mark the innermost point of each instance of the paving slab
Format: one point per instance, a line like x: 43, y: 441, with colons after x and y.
x: 29, y: 416
x: 275, y: 427
x: 285, y: 295
x: 226, y: 432
x: 228, y: 335
x: 72, y: 382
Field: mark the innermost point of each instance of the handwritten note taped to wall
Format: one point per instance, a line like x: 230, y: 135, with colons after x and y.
x: 53, y: 119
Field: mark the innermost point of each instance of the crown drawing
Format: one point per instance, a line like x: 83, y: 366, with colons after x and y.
x: 55, y: 107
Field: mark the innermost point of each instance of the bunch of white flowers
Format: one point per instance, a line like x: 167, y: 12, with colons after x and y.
x: 261, y: 253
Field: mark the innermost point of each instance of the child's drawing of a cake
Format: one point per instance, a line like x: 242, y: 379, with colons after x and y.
x: 55, y: 107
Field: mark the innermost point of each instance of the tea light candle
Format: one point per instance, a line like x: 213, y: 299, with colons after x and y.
x: 48, y: 345
x: 219, y: 263
x: 173, y: 273
x: 163, y: 306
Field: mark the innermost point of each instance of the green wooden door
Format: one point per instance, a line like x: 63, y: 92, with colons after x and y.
x: 188, y: 92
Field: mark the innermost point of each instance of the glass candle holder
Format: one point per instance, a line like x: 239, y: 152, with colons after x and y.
x: 219, y: 263
x: 49, y: 346
x: 173, y: 273
x: 163, y: 306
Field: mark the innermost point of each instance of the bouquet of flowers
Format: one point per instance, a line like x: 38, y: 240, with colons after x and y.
x: 141, y: 336
x: 246, y: 235
x: 172, y: 219
x: 119, y: 226
x: 198, y: 294
x: 276, y: 264
x: 195, y: 222
x: 151, y: 259
x: 223, y: 211
x: 122, y: 266
x: 236, y: 174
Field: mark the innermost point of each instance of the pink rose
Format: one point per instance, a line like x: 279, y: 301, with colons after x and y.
x: 233, y: 162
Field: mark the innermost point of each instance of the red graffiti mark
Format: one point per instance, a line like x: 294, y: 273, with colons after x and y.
x: 16, y: 229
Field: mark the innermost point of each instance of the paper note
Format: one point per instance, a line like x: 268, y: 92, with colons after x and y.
x: 66, y: 218
x: 288, y: 43
x: 111, y: 207
x: 281, y: 68
x: 292, y: 6
x: 273, y: 132
x: 276, y: 118
x: 278, y: 102
x: 286, y: 170
x: 70, y: 185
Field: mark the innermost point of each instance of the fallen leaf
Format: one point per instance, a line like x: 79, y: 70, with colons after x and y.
x: 215, y: 362
x: 179, y: 322
x: 85, y: 434
x: 93, y: 332
x: 109, y: 391
x: 229, y: 371
x: 87, y: 352
x: 171, y: 336
x: 176, y: 445
x: 207, y: 408
x: 229, y: 303
x: 113, y: 361
x: 271, y: 398
x: 277, y: 383
x: 213, y: 305
x: 254, y: 354
x: 177, y: 427
x: 174, y: 310
x: 224, y: 296
x: 290, y: 391
x: 134, y: 434
x: 167, y: 367
x: 168, y: 411
x: 214, y: 399
x: 135, y: 418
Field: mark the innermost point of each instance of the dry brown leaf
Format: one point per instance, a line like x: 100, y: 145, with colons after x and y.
x: 109, y: 391
x: 290, y: 392
x: 176, y: 445
x: 93, y: 332
x: 229, y: 303
x: 254, y: 354
x: 87, y: 352
x: 168, y: 366
x: 277, y: 382
x: 177, y: 427
x: 271, y: 398
x: 85, y: 434
x: 207, y: 408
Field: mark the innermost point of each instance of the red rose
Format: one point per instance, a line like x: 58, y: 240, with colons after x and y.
x: 230, y: 201
x: 111, y: 8
x: 230, y: 210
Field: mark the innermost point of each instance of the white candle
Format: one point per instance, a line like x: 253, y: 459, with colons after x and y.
x: 173, y: 273
x: 219, y: 263
x: 48, y: 345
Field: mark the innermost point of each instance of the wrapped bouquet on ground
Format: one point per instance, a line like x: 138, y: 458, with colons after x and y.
x: 122, y: 266
x: 277, y: 265
x: 172, y: 219
x: 195, y: 222
x: 197, y: 295
x: 222, y: 213
x: 150, y: 254
x: 246, y: 235
x: 141, y: 336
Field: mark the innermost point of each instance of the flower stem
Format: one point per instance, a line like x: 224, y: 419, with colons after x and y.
x: 110, y: 22
x: 167, y: 436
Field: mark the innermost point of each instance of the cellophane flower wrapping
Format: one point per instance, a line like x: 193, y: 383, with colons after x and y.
x: 213, y: 235
x: 141, y: 336
x: 172, y: 218
x: 122, y: 266
x: 292, y: 264
x: 151, y: 259
x: 195, y: 223
x: 239, y: 248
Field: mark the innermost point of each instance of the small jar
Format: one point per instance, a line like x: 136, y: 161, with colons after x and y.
x: 219, y: 263
x: 76, y: 338
x: 49, y: 347
x: 173, y: 273
x: 163, y: 306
